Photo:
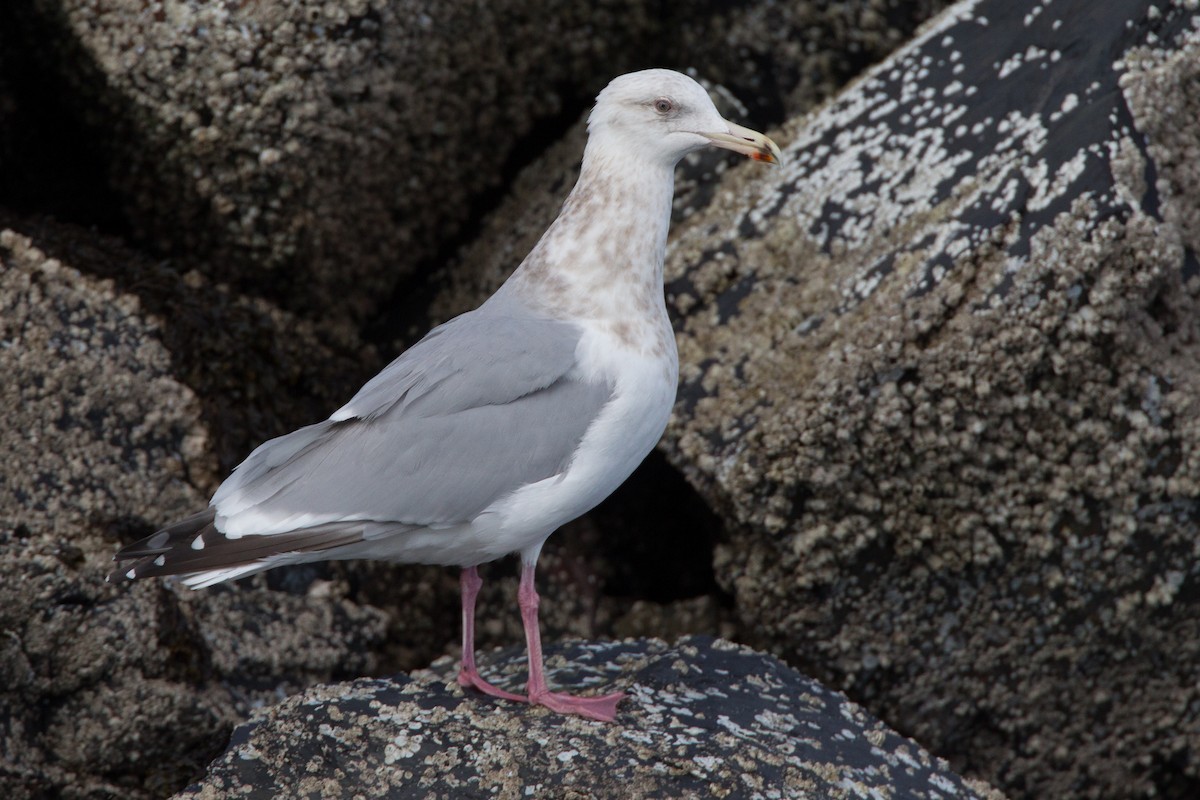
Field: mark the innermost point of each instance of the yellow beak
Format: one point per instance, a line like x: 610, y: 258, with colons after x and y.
x: 747, y: 142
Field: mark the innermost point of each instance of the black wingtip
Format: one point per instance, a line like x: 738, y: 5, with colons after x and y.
x: 159, y: 543
x: 194, y: 545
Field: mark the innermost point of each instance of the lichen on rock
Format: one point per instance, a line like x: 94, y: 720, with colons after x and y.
x: 942, y: 378
x: 703, y: 718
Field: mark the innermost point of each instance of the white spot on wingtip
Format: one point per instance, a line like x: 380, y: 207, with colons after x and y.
x: 198, y: 542
x: 158, y: 562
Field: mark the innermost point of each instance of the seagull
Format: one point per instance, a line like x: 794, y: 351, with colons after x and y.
x: 502, y: 424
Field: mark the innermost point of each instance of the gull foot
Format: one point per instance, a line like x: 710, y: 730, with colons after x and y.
x: 603, y: 708
x: 472, y: 680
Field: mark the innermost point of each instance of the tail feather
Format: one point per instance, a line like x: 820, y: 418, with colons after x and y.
x: 194, y: 547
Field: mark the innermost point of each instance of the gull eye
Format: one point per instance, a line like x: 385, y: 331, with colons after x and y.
x: 664, y: 105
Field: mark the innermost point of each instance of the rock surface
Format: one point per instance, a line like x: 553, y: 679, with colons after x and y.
x: 316, y: 153
x: 295, y: 146
x: 112, y: 691
x: 703, y: 718
x: 941, y: 375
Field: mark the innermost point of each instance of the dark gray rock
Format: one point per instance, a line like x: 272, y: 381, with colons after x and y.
x: 940, y: 375
x: 781, y: 59
x: 110, y: 691
x: 703, y: 718
x: 95, y: 430
x: 254, y: 370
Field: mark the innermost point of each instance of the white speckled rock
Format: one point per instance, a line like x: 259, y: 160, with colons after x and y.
x: 942, y: 375
x: 704, y: 718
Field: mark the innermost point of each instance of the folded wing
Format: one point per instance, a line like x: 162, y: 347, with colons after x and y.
x: 480, y: 407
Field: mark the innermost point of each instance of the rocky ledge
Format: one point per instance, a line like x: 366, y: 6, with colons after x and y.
x: 703, y: 718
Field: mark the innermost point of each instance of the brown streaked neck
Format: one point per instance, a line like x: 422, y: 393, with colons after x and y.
x: 603, y: 256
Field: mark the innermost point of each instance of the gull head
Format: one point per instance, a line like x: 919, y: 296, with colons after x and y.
x: 661, y: 116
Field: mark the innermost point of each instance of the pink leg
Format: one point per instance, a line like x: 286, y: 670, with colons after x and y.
x: 468, y: 675
x: 602, y: 708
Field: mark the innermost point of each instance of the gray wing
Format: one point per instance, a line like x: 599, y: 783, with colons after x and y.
x: 478, y: 408
x: 472, y: 360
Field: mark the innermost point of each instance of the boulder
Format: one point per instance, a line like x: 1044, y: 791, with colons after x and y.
x: 295, y: 147
x: 940, y: 376
x: 702, y: 718
x: 114, y: 690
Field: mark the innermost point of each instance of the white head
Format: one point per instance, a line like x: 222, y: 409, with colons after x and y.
x: 661, y: 116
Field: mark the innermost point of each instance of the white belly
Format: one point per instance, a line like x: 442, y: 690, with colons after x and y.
x: 616, y: 443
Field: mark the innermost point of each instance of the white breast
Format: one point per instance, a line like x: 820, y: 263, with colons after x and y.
x: 644, y: 380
